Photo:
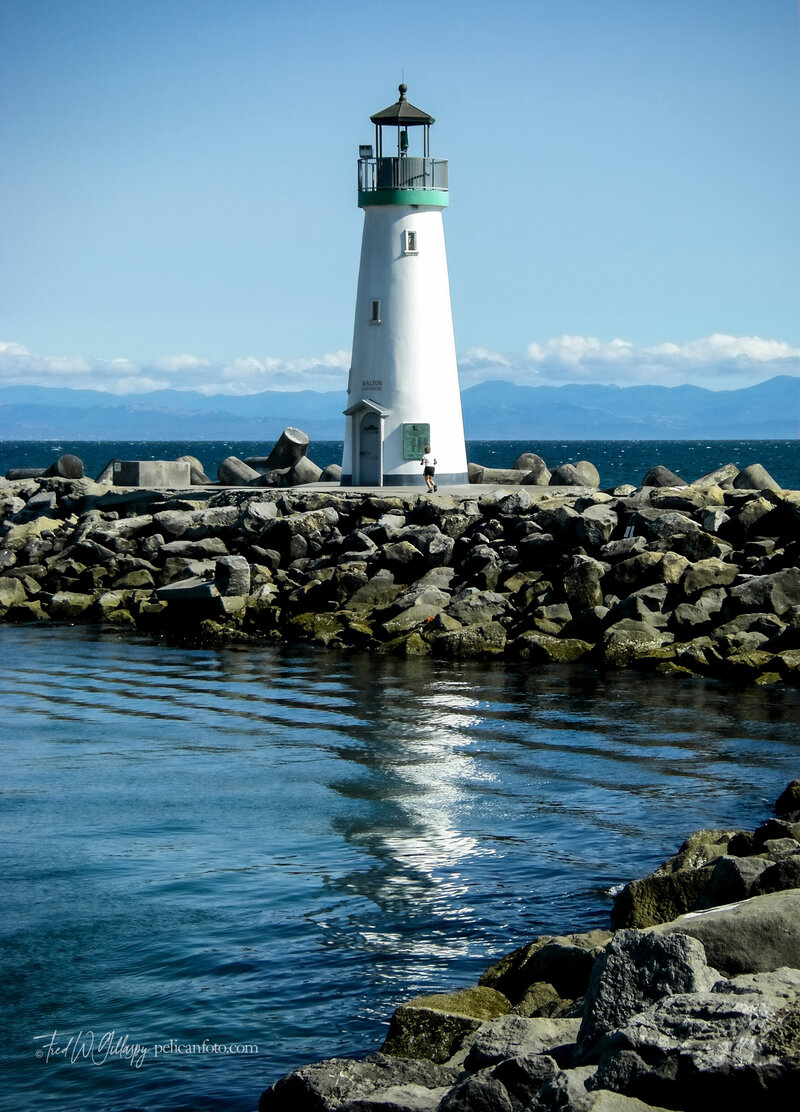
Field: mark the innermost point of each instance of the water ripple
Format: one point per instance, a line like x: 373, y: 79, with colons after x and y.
x: 276, y: 846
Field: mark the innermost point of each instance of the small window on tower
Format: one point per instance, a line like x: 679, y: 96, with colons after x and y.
x: 410, y: 244
x: 375, y: 313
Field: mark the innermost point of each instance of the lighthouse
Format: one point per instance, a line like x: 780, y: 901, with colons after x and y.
x: 403, y: 391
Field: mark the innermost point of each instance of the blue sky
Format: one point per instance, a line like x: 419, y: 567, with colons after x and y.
x: 178, y: 195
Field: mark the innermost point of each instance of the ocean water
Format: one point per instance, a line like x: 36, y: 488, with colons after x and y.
x: 618, y: 461
x: 220, y: 864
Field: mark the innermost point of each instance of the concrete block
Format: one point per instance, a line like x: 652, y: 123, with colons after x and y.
x: 158, y: 473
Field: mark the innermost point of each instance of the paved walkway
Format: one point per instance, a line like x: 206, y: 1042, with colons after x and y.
x: 457, y: 490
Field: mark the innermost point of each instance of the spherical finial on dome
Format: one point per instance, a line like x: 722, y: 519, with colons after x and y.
x: 402, y: 89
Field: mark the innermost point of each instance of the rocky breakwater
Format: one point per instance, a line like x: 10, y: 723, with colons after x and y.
x: 687, y: 1013
x: 691, y: 580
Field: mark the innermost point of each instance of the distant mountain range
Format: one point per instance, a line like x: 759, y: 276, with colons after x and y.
x: 492, y: 411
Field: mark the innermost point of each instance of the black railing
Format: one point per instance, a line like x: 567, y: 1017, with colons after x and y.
x: 401, y: 173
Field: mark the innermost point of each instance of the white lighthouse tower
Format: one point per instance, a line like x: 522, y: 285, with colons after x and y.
x: 403, y: 390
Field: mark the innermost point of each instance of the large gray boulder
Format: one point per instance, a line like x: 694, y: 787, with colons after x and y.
x: 304, y: 471
x: 473, y: 607
x: 290, y: 446
x: 513, y: 1084
x: 733, y: 879
x: 581, y: 579
x: 662, y: 525
x: 538, y: 473
x: 232, y: 576
x: 515, y: 1036
x: 415, y: 608
x: 66, y: 467
x: 721, y: 477
x: 596, y: 524
x: 660, y: 476
x: 736, y: 1045
x: 235, y: 472
x: 507, y: 475
x: 378, y: 1082
x: 580, y: 474
x: 712, y: 572
x: 635, y: 970
x: 196, y: 470
x: 776, y: 592
x: 755, y: 477
x: 755, y: 936
x: 779, y: 877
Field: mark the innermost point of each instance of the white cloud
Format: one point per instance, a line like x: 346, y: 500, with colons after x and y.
x: 576, y: 350
x: 171, y: 363
x: 718, y: 362
x: 721, y: 347
x: 20, y: 367
x: 241, y: 376
x: 479, y: 356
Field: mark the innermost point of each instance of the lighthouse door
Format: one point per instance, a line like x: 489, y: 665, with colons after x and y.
x: 370, y: 450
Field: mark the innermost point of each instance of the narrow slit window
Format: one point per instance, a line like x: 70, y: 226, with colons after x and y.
x: 375, y: 312
x: 410, y: 244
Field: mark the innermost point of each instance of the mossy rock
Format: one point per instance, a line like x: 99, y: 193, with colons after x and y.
x: 119, y: 617
x: 27, y: 612
x: 209, y: 631
x: 324, y: 628
x: 411, y: 644
x: 749, y: 665
x: 766, y: 679
x: 434, y: 1027
x: 108, y: 601
x: 541, y: 1000
x: 69, y: 604
x: 702, y: 847
x: 12, y: 591
x: 670, y: 668
x: 788, y: 662
x: 357, y: 632
x: 629, y: 642
x: 477, y: 1002
x: 540, y: 648
x: 471, y: 643
x: 660, y: 899
x: 563, y: 961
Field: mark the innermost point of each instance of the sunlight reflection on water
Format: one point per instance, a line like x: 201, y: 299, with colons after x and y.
x: 280, y: 845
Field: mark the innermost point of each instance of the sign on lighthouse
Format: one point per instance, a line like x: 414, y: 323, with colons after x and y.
x: 403, y: 391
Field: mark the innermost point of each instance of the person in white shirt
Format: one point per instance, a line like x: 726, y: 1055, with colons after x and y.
x: 429, y: 465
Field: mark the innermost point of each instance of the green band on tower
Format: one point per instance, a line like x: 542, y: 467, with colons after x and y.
x: 437, y: 198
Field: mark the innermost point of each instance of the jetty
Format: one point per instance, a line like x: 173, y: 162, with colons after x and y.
x: 683, y: 579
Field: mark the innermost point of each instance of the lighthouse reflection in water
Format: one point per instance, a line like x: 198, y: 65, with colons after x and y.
x: 275, y: 847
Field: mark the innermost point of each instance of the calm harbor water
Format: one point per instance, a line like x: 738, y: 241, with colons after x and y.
x: 272, y: 847
x: 618, y: 461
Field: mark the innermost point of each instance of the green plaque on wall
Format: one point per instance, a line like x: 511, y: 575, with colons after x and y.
x: 415, y: 437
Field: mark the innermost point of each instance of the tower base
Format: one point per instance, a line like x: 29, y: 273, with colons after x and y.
x: 454, y: 478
